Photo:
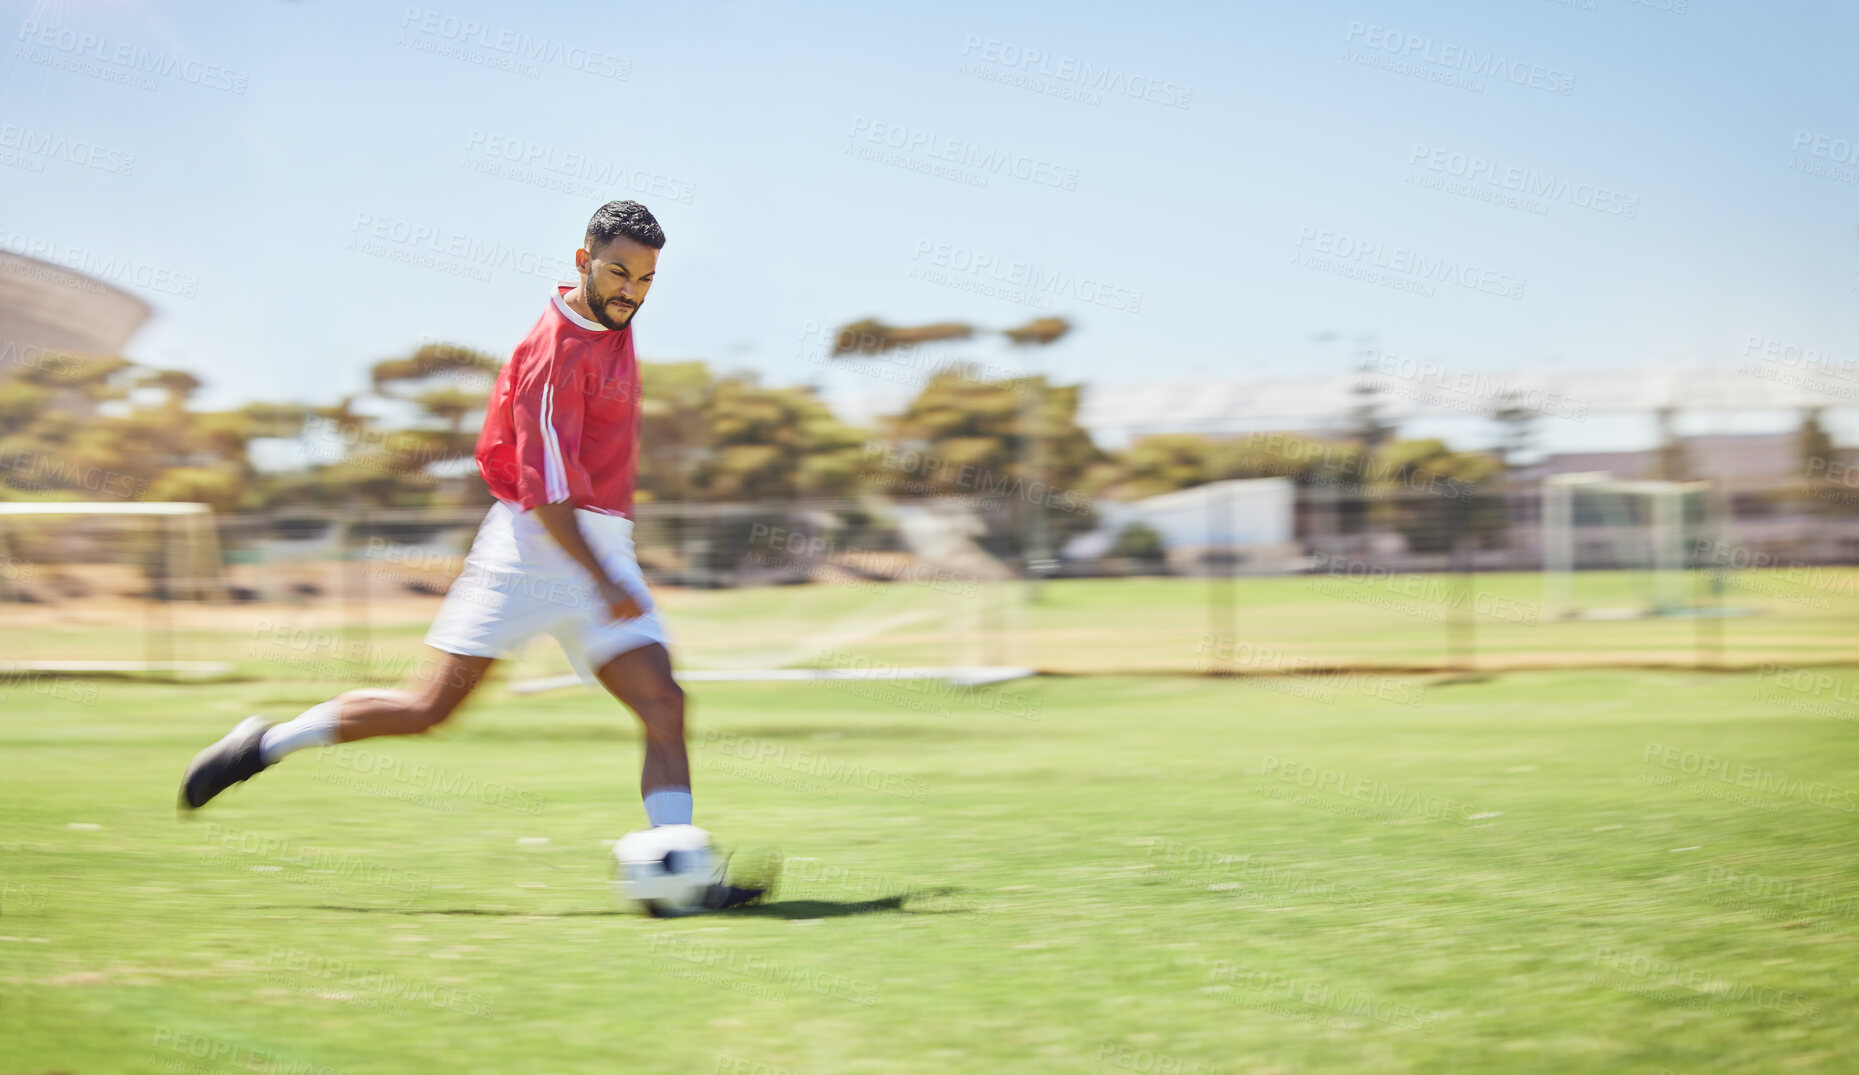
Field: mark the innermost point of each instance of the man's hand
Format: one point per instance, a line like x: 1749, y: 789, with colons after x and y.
x: 558, y: 519
x: 620, y: 603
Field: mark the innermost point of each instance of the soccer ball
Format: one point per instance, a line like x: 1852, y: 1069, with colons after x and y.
x: 667, y: 869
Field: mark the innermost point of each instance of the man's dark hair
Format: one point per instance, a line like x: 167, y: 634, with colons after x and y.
x: 626, y: 218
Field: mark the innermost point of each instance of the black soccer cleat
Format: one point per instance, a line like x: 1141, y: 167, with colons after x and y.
x: 227, y: 762
x: 757, y: 884
x: 724, y: 897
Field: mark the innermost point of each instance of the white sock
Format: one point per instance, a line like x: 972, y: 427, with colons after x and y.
x: 315, y: 728
x: 668, y: 806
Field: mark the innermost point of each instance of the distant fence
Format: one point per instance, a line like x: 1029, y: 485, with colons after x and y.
x: 790, y: 541
x: 1413, y: 580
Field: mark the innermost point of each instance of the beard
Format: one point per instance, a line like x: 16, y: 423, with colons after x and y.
x: 597, y: 302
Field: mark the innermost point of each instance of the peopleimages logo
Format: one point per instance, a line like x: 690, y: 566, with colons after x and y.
x: 1827, y: 147
x: 30, y: 356
x: 1421, y: 48
x: 814, y: 764
x: 569, y: 171
x: 1689, y: 985
x: 113, y: 267
x: 515, y: 45
x: 712, y: 957
x: 1367, y: 789
x: 1079, y: 73
x: 443, y: 249
x: 1430, y: 589
x: 1526, y: 182
x: 33, y: 471
x: 44, y: 144
x: 434, y: 778
x: 1816, y: 360
x: 1703, y: 766
x: 1482, y: 389
x: 130, y: 60
x: 1034, y: 281
x: 984, y: 481
x: 1319, y: 998
x: 1342, y: 250
x: 936, y: 147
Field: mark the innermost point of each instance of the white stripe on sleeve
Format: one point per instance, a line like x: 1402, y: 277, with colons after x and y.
x: 554, y: 472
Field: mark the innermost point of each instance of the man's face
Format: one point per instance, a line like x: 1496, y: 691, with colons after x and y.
x: 615, y: 278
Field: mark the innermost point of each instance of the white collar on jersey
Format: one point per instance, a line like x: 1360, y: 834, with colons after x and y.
x: 568, y: 312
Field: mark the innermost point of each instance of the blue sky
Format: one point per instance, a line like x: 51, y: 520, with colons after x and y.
x: 308, y: 192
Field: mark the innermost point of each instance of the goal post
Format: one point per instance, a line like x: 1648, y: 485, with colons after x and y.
x: 56, y: 557
x: 1640, y: 531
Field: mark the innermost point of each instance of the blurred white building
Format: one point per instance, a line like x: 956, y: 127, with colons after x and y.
x: 47, y: 310
x: 45, y: 306
x: 1599, y: 408
x: 1245, y: 525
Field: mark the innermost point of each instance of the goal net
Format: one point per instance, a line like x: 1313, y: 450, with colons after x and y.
x: 1621, y: 549
x: 824, y: 590
x: 106, y: 587
x: 317, y: 600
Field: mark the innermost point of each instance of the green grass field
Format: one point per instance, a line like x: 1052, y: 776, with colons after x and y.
x: 1581, y: 871
x: 1137, y: 626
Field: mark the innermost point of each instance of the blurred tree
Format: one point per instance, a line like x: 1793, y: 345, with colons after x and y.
x: 436, y: 361
x: 1306, y: 460
x: 180, y: 386
x: 1816, y: 454
x: 107, y: 429
x: 873, y: 337
x: 969, y: 439
x: 222, y: 485
x: 1417, y: 463
x: 20, y: 403
x: 772, y: 443
x: 1166, y: 463
x: 1039, y: 331
x: 1041, y: 539
x: 1517, y: 426
x: 1435, y: 496
x: 1670, y: 461
x: 446, y: 386
x: 1139, y: 542
x: 1366, y: 426
x: 673, y: 433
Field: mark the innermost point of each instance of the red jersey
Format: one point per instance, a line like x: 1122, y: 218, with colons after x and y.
x: 562, y: 422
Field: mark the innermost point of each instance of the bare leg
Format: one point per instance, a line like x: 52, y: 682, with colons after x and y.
x: 254, y: 745
x: 642, y: 679
x: 373, y: 711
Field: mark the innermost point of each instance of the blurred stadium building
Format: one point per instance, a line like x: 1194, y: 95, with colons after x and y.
x: 1122, y: 412
x: 46, y: 308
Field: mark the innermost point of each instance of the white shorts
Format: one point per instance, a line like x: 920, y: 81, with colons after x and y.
x: 518, y: 582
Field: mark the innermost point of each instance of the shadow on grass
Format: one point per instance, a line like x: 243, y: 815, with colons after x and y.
x: 455, y: 911
x: 791, y: 909
x: 821, y: 908
x: 935, y: 901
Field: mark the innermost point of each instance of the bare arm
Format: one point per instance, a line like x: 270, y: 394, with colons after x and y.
x: 558, y: 519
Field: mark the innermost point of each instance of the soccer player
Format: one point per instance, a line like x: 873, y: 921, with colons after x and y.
x: 559, y: 451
